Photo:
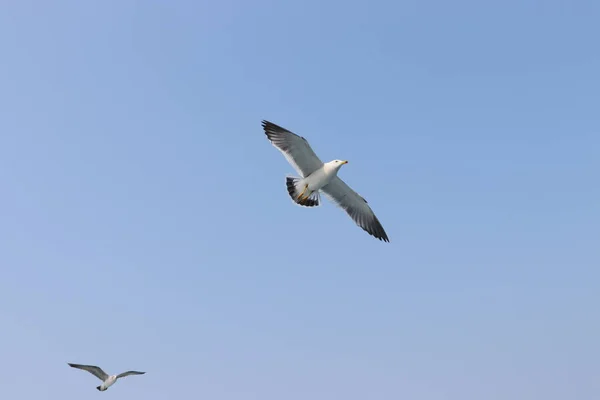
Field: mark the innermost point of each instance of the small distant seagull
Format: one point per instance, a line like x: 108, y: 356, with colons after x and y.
x: 316, y: 176
x: 107, y: 380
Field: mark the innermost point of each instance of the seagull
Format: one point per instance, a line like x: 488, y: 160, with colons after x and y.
x: 317, y: 177
x: 107, y: 381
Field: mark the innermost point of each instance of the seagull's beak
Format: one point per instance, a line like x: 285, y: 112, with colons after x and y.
x: 344, y: 162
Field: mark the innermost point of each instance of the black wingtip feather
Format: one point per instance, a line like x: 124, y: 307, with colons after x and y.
x: 269, y: 126
x: 379, y: 232
x: 376, y: 230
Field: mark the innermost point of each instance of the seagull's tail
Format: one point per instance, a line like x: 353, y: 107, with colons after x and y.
x: 295, y: 187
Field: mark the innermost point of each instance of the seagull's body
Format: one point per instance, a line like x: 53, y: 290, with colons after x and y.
x: 107, y: 383
x: 323, y: 176
x: 317, y: 176
x: 107, y: 380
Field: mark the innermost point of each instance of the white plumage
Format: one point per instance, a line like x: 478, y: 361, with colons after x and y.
x: 318, y: 176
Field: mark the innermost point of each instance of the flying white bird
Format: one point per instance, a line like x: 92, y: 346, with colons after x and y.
x: 318, y: 176
x: 107, y: 380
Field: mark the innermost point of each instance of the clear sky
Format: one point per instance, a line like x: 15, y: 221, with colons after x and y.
x: 145, y: 223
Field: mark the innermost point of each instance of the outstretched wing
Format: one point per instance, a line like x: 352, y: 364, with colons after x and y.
x: 92, y: 369
x: 295, y: 148
x: 124, y: 374
x: 356, y: 207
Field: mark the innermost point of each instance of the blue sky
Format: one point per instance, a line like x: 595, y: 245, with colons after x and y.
x: 146, y: 224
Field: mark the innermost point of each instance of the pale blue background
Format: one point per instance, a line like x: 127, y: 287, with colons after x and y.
x: 145, y: 222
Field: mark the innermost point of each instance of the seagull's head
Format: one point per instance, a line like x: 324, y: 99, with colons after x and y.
x: 337, y: 164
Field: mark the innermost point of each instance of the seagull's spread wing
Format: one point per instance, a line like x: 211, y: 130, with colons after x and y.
x: 92, y: 369
x: 124, y: 374
x: 356, y: 207
x: 295, y: 148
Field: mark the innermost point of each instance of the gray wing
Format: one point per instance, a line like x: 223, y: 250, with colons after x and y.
x: 92, y: 369
x: 356, y: 207
x: 295, y: 148
x: 124, y: 374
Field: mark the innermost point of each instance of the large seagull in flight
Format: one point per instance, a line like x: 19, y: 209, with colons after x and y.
x: 318, y: 176
x: 107, y: 380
